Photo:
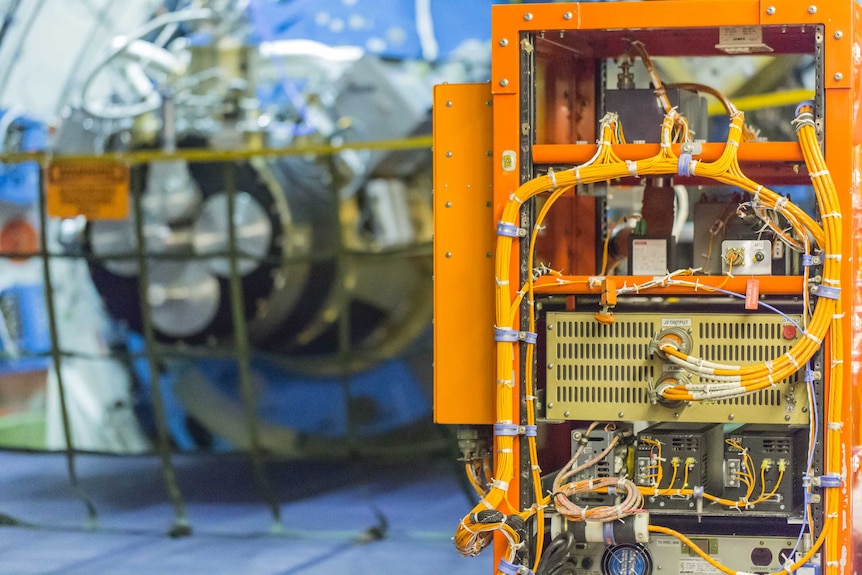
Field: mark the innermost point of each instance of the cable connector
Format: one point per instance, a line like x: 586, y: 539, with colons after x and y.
x: 513, y: 569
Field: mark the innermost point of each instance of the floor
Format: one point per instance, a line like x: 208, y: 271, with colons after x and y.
x: 369, y: 516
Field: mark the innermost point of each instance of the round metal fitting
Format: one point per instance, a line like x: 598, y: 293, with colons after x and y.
x: 504, y: 42
x: 504, y: 82
x: 770, y: 10
x: 812, y: 9
x: 567, y: 16
x: 838, y: 34
x: 528, y: 16
x: 838, y: 76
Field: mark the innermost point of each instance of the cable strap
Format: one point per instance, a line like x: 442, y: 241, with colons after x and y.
x: 826, y: 291
x: 505, y: 429
x: 530, y: 430
x: 504, y: 334
x: 510, y: 230
x: 683, y: 165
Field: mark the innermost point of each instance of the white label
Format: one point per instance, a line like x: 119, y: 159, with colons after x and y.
x: 670, y: 368
x: 662, y: 542
x: 676, y: 322
x: 697, y: 566
x: 740, y: 35
x: 649, y: 257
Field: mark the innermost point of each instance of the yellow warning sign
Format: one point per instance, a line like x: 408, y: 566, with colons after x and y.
x: 96, y: 189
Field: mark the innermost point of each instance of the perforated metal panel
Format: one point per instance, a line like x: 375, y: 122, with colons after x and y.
x: 597, y: 371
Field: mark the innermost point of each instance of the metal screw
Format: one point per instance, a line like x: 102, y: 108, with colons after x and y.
x: 731, y: 417
x: 448, y: 204
x: 448, y: 154
x: 487, y: 254
x: 770, y: 10
x: 449, y: 104
x: 487, y: 204
x: 448, y: 254
x: 550, y: 405
x: 812, y: 9
x: 565, y: 414
x: 550, y: 327
x: 504, y: 82
x: 504, y: 42
x: 838, y: 76
x: 528, y: 16
x: 567, y: 16
x: 838, y: 34
x: 550, y: 366
x: 786, y: 418
x: 621, y: 415
x: 676, y: 415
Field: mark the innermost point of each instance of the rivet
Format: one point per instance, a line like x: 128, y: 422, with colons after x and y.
x: 838, y: 76
x: 621, y: 415
x: 487, y: 254
x: 770, y: 10
x: 448, y: 204
x: 449, y: 104
x: 567, y: 16
x: 487, y: 204
x: 812, y: 9
x: 565, y: 414
x: 838, y: 34
x: 786, y: 418
x: 528, y: 16
x: 448, y: 254
x: 504, y: 82
x: 550, y: 405
x: 504, y: 42
x: 550, y: 366
x: 550, y: 327
x: 448, y: 154
x: 731, y: 417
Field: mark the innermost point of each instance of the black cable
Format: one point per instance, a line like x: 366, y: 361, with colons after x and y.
x: 56, y: 362
x: 555, y: 557
x: 243, y: 352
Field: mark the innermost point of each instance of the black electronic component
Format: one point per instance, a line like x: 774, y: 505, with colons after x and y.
x: 775, y: 463
x: 678, y: 459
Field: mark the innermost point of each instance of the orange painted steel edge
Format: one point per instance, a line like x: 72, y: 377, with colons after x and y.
x: 464, y: 390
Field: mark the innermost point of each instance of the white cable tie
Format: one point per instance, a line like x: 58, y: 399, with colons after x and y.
x: 584, y: 512
x: 838, y: 315
x: 501, y: 283
x: 818, y: 174
x: 833, y: 515
x: 619, y: 509
x: 506, y: 382
x: 837, y: 362
x: 833, y: 563
x: 484, y: 502
x: 831, y: 215
x: 835, y: 425
x: 504, y: 421
x: 692, y: 166
x: 733, y: 143
x: 633, y: 168
x: 464, y: 525
x: 578, y: 174
x: 771, y: 380
x: 792, y: 360
x: 590, y: 484
x: 813, y: 337
x: 768, y: 365
x: 504, y: 450
x: 514, y: 198
x: 535, y: 468
x: 832, y: 282
x: 735, y: 126
x: 553, y: 177
x: 836, y: 257
x: 696, y: 284
x: 730, y: 275
x: 501, y: 485
x: 755, y: 198
x: 530, y: 397
x: 780, y: 203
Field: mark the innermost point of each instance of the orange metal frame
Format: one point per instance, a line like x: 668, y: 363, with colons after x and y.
x: 562, y: 124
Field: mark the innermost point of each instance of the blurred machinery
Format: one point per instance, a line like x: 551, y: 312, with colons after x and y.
x: 642, y: 394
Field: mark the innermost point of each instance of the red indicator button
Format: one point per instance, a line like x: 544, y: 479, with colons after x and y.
x: 789, y: 332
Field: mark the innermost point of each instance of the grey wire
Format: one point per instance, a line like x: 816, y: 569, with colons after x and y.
x: 7, y: 72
